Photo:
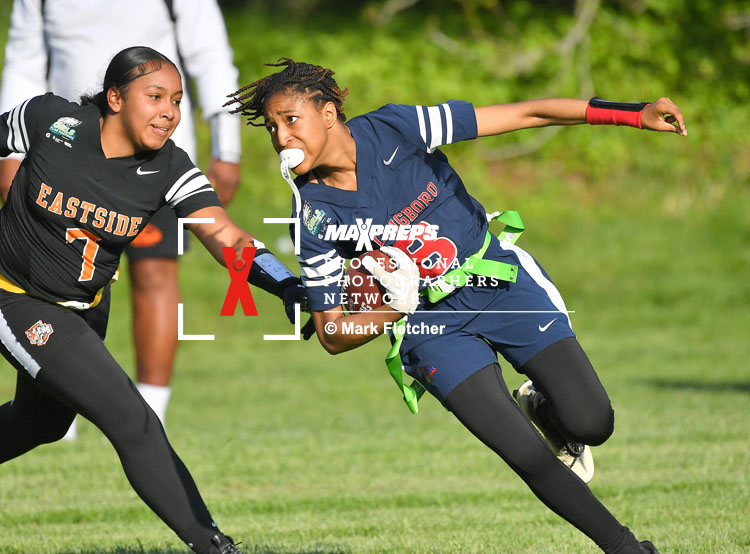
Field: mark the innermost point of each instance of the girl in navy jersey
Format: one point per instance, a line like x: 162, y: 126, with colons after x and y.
x: 380, y: 182
x: 92, y: 177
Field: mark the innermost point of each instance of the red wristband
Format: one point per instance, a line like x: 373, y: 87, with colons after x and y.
x: 610, y: 113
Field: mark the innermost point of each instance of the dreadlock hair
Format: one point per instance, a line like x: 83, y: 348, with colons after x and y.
x: 312, y: 81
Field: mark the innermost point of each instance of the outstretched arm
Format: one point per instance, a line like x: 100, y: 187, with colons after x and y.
x: 662, y: 115
x: 503, y: 118
x: 266, y: 272
x: 222, y: 232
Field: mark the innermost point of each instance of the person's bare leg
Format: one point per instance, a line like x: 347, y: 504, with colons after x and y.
x: 155, y: 294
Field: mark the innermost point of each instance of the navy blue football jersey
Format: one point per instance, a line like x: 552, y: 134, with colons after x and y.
x: 407, y: 196
x: 71, y: 210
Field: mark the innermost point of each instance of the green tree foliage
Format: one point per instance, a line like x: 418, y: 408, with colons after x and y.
x: 682, y: 43
x: 488, y: 51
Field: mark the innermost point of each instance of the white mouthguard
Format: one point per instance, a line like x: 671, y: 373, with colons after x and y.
x: 291, y: 157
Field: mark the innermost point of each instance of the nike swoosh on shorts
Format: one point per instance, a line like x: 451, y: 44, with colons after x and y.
x: 543, y: 329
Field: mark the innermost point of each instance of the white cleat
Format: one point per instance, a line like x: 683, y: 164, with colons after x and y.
x: 577, y: 456
x: 580, y: 461
x: 72, y: 431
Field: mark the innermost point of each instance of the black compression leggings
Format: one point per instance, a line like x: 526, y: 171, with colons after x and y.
x: 484, y: 406
x: 86, y: 379
x: 575, y: 400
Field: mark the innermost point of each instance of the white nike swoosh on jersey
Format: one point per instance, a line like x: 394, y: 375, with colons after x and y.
x: 139, y: 171
x: 392, y: 156
x: 543, y: 329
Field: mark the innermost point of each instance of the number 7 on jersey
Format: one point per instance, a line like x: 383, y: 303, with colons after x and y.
x: 89, y: 250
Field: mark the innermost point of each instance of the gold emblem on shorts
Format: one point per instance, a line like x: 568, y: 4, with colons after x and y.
x: 39, y: 333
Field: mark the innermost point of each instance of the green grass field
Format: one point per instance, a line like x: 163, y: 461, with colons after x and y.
x: 299, y: 452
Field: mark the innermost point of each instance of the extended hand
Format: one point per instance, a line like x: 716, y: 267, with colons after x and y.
x: 663, y: 115
x: 295, y: 293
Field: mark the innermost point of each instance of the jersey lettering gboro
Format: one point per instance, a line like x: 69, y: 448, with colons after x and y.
x: 239, y: 289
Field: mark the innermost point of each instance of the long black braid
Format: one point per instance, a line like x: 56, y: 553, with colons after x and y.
x: 313, y: 81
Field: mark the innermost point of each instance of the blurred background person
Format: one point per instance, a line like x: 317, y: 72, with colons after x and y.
x: 63, y: 46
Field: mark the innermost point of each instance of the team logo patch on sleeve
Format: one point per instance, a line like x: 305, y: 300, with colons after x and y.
x: 65, y: 127
x: 39, y: 333
x: 314, y: 220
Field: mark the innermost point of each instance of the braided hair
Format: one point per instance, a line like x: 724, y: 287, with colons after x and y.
x: 313, y: 81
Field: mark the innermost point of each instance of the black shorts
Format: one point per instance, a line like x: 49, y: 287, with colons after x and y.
x: 33, y: 331
x: 158, y: 239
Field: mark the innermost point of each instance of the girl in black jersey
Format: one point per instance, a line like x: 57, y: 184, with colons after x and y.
x: 93, y: 175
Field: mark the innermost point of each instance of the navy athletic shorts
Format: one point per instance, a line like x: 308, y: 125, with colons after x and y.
x: 455, y: 338
x: 158, y: 239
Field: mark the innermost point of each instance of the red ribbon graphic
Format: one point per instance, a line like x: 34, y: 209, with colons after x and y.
x: 239, y: 290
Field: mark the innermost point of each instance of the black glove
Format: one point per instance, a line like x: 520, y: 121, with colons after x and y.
x: 294, y: 293
x: 308, y: 329
x: 268, y: 273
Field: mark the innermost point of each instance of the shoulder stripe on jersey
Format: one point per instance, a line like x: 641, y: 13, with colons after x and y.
x: 191, y: 185
x: 448, y: 124
x: 205, y: 188
x: 330, y: 255
x: 12, y: 130
x: 436, y: 127
x: 420, y: 118
x: 10, y: 342
x: 172, y: 192
x: 24, y: 132
x: 20, y: 130
x: 327, y: 268
x: 17, y: 135
x: 322, y: 269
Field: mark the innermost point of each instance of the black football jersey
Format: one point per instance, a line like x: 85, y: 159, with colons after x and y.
x: 71, y: 210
